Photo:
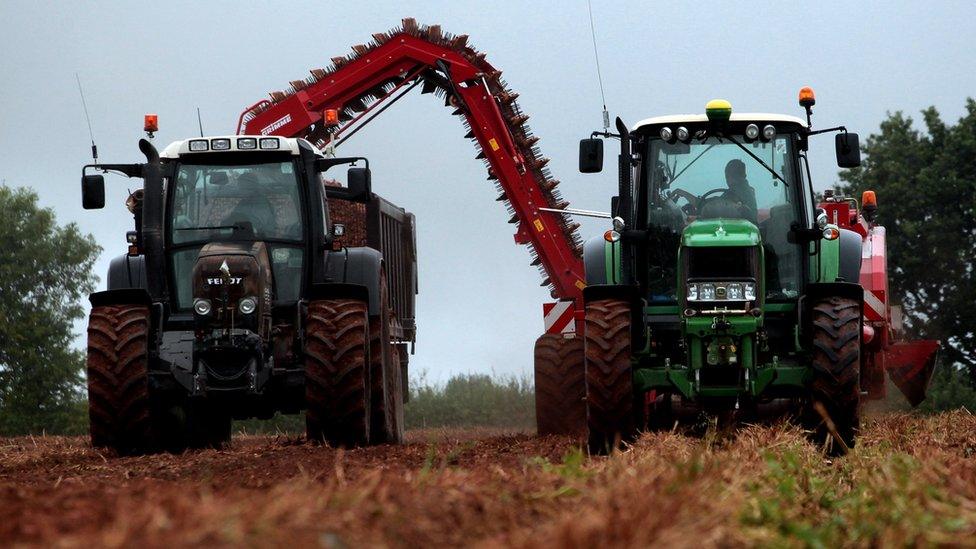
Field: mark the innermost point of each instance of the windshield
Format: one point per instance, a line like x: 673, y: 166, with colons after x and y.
x: 715, y: 178
x: 252, y: 201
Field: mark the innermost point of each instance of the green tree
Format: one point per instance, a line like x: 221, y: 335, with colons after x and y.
x: 45, y: 270
x: 926, y: 187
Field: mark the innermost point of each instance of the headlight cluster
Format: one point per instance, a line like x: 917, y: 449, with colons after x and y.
x: 203, y: 307
x: 681, y: 134
x: 768, y: 132
x: 721, y: 291
x: 243, y: 144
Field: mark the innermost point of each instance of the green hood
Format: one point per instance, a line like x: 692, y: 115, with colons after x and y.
x: 720, y: 233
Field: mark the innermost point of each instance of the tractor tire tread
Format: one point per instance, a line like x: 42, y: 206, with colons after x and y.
x: 560, y: 385
x: 336, y: 362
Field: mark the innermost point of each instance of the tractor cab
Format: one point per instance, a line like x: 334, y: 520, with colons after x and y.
x: 240, y: 207
x: 727, y: 194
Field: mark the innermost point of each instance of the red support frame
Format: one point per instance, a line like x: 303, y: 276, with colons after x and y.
x: 399, y: 57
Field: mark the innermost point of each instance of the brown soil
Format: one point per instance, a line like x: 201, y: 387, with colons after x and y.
x: 911, y: 481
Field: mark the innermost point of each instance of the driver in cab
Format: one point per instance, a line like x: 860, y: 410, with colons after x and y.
x: 740, y: 192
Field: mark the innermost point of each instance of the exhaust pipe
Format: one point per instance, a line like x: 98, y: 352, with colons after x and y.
x: 152, y: 222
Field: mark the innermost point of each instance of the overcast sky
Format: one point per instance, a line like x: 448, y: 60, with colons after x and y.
x: 480, y: 304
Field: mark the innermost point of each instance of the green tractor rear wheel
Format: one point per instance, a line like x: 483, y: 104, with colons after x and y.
x: 835, y: 394
x: 610, y: 402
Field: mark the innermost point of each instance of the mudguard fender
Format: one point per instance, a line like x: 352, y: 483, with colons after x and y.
x: 630, y: 294
x: 121, y: 296
x: 849, y: 256
x: 127, y: 271
x: 350, y: 267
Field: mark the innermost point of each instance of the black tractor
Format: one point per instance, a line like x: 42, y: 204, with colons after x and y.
x: 236, y: 300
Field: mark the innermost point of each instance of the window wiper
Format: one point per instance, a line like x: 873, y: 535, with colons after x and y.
x: 757, y: 159
x: 683, y: 170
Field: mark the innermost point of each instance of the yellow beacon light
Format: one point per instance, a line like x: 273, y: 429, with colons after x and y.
x: 718, y: 110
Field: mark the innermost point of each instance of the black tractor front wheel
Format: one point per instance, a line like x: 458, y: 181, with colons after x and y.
x: 835, y: 394
x: 119, y: 407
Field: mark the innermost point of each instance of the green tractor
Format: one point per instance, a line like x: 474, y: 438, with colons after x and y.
x: 722, y: 290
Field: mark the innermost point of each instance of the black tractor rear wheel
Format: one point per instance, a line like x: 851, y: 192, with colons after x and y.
x: 835, y: 393
x: 386, y: 393
x: 610, y: 402
x: 119, y: 407
x: 560, y: 385
x: 336, y: 372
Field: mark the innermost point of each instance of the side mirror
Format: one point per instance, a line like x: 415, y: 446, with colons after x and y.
x: 848, y: 150
x: 591, y: 155
x: 92, y: 192
x: 359, y: 184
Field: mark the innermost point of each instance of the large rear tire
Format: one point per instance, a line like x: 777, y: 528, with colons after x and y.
x: 336, y: 372
x: 835, y: 393
x: 610, y: 406
x: 119, y: 407
x: 560, y: 385
x: 386, y: 393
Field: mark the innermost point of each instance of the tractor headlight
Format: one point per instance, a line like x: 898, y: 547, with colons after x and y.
x: 683, y: 134
x: 752, y: 131
x: 769, y: 132
x: 220, y: 144
x: 734, y: 291
x: 706, y: 292
x: 750, y: 291
x: 721, y: 291
x: 247, y: 305
x: 202, y: 307
x: 247, y: 143
x: 666, y: 134
x: 197, y: 145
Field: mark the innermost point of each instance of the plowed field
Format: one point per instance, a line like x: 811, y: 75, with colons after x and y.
x: 911, y: 481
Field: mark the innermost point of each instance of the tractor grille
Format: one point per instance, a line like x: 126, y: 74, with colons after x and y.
x: 723, y: 263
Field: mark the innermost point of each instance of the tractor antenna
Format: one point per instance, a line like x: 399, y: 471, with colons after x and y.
x: 599, y: 75
x: 200, y: 121
x: 91, y: 134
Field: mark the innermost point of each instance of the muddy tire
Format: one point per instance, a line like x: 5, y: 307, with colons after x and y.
x: 403, y: 360
x: 336, y: 372
x: 386, y: 392
x: 610, y: 402
x: 119, y: 407
x: 835, y: 393
x: 560, y: 385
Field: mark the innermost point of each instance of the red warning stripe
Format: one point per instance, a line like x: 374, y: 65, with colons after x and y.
x: 558, y: 317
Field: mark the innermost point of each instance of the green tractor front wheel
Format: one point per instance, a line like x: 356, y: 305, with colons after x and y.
x: 610, y: 401
x: 835, y: 393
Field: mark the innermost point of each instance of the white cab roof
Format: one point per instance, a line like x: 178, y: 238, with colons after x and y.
x: 177, y: 149
x: 736, y: 117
